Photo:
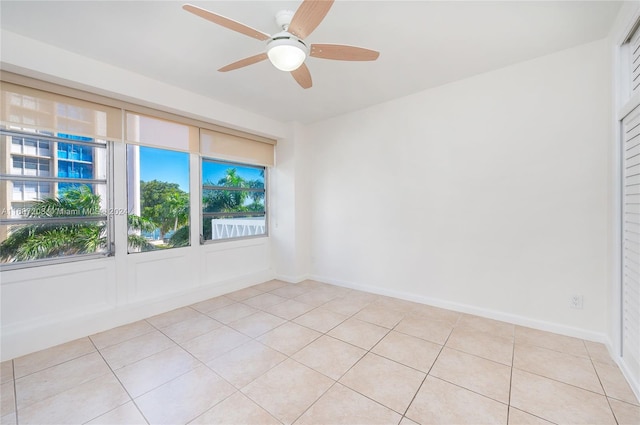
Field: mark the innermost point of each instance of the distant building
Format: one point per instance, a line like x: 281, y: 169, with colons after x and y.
x: 35, y: 156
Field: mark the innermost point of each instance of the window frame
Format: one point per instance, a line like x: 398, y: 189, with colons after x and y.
x: 105, y: 217
x: 127, y: 192
x: 201, y: 185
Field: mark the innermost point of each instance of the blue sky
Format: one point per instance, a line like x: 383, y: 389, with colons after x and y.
x: 164, y: 165
x: 173, y: 167
x: 212, y: 172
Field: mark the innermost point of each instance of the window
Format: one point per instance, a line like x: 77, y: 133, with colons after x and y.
x: 233, y: 200
x: 54, y: 208
x: 55, y: 172
x: 49, y: 213
x: 158, y: 198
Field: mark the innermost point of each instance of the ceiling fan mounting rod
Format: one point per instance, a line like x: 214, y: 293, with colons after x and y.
x: 283, y: 19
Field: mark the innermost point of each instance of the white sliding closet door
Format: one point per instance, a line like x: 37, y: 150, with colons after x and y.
x: 631, y: 241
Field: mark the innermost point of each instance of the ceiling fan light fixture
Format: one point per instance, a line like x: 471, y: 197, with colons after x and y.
x: 287, y: 52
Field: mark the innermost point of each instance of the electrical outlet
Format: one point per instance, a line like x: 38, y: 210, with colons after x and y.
x: 576, y: 302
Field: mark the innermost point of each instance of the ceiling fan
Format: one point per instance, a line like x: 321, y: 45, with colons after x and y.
x: 287, y: 49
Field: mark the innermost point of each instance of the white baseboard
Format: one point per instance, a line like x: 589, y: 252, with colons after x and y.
x: 478, y: 311
x: 25, y: 338
x: 631, y: 379
x: 291, y: 279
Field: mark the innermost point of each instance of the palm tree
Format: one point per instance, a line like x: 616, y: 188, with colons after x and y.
x: 234, y: 200
x: 47, y: 240
x: 180, y: 237
x: 177, y: 206
x: 256, y: 196
x: 136, y: 225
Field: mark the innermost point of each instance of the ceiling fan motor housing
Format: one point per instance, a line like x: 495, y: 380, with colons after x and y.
x: 286, y: 38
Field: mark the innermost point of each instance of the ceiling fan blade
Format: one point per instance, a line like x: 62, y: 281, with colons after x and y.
x: 244, y: 62
x: 342, y: 53
x: 308, y: 17
x: 302, y: 76
x: 226, y: 22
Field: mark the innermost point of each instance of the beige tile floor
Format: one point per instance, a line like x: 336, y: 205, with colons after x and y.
x: 313, y: 353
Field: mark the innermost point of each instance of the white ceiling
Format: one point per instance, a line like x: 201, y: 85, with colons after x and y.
x: 422, y: 44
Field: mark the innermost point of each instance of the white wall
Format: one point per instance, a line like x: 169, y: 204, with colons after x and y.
x: 49, y: 305
x: 290, y: 206
x: 488, y: 195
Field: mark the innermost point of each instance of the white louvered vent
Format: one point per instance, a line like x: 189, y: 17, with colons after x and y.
x: 631, y: 241
x: 634, y: 61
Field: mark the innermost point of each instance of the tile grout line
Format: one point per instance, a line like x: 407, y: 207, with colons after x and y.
x: 54, y: 365
x: 316, y: 400
x: 130, y: 339
x: 179, y: 345
x: 15, y: 390
x: 513, y: 357
x: 600, y: 381
x: 565, y: 383
x: 370, y: 351
x: 125, y: 340
x: 255, y: 339
x: 121, y: 385
x: 287, y: 357
x: 254, y: 379
x: 604, y: 393
x: 535, y: 343
x: 62, y: 391
x: 335, y: 381
x: 476, y: 356
x: 98, y: 351
x: 404, y: 415
x: 237, y: 390
x: 190, y: 339
x: 389, y: 330
x: 471, y: 391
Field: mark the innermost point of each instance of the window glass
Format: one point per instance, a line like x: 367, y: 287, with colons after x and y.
x: 48, y: 215
x: 233, y: 200
x: 158, y: 198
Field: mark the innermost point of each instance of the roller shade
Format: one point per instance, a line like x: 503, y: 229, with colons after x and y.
x: 150, y: 131
x: 28, y: 108
x: 235, y: 148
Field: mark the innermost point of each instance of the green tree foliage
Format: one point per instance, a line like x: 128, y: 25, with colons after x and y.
x: 234, y: 200
x: 180, y: 237
x: 165, y: 204
x: 256, y: 197
x: 37, y: 241
x: 48, y: 240
x: 136, y: 225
